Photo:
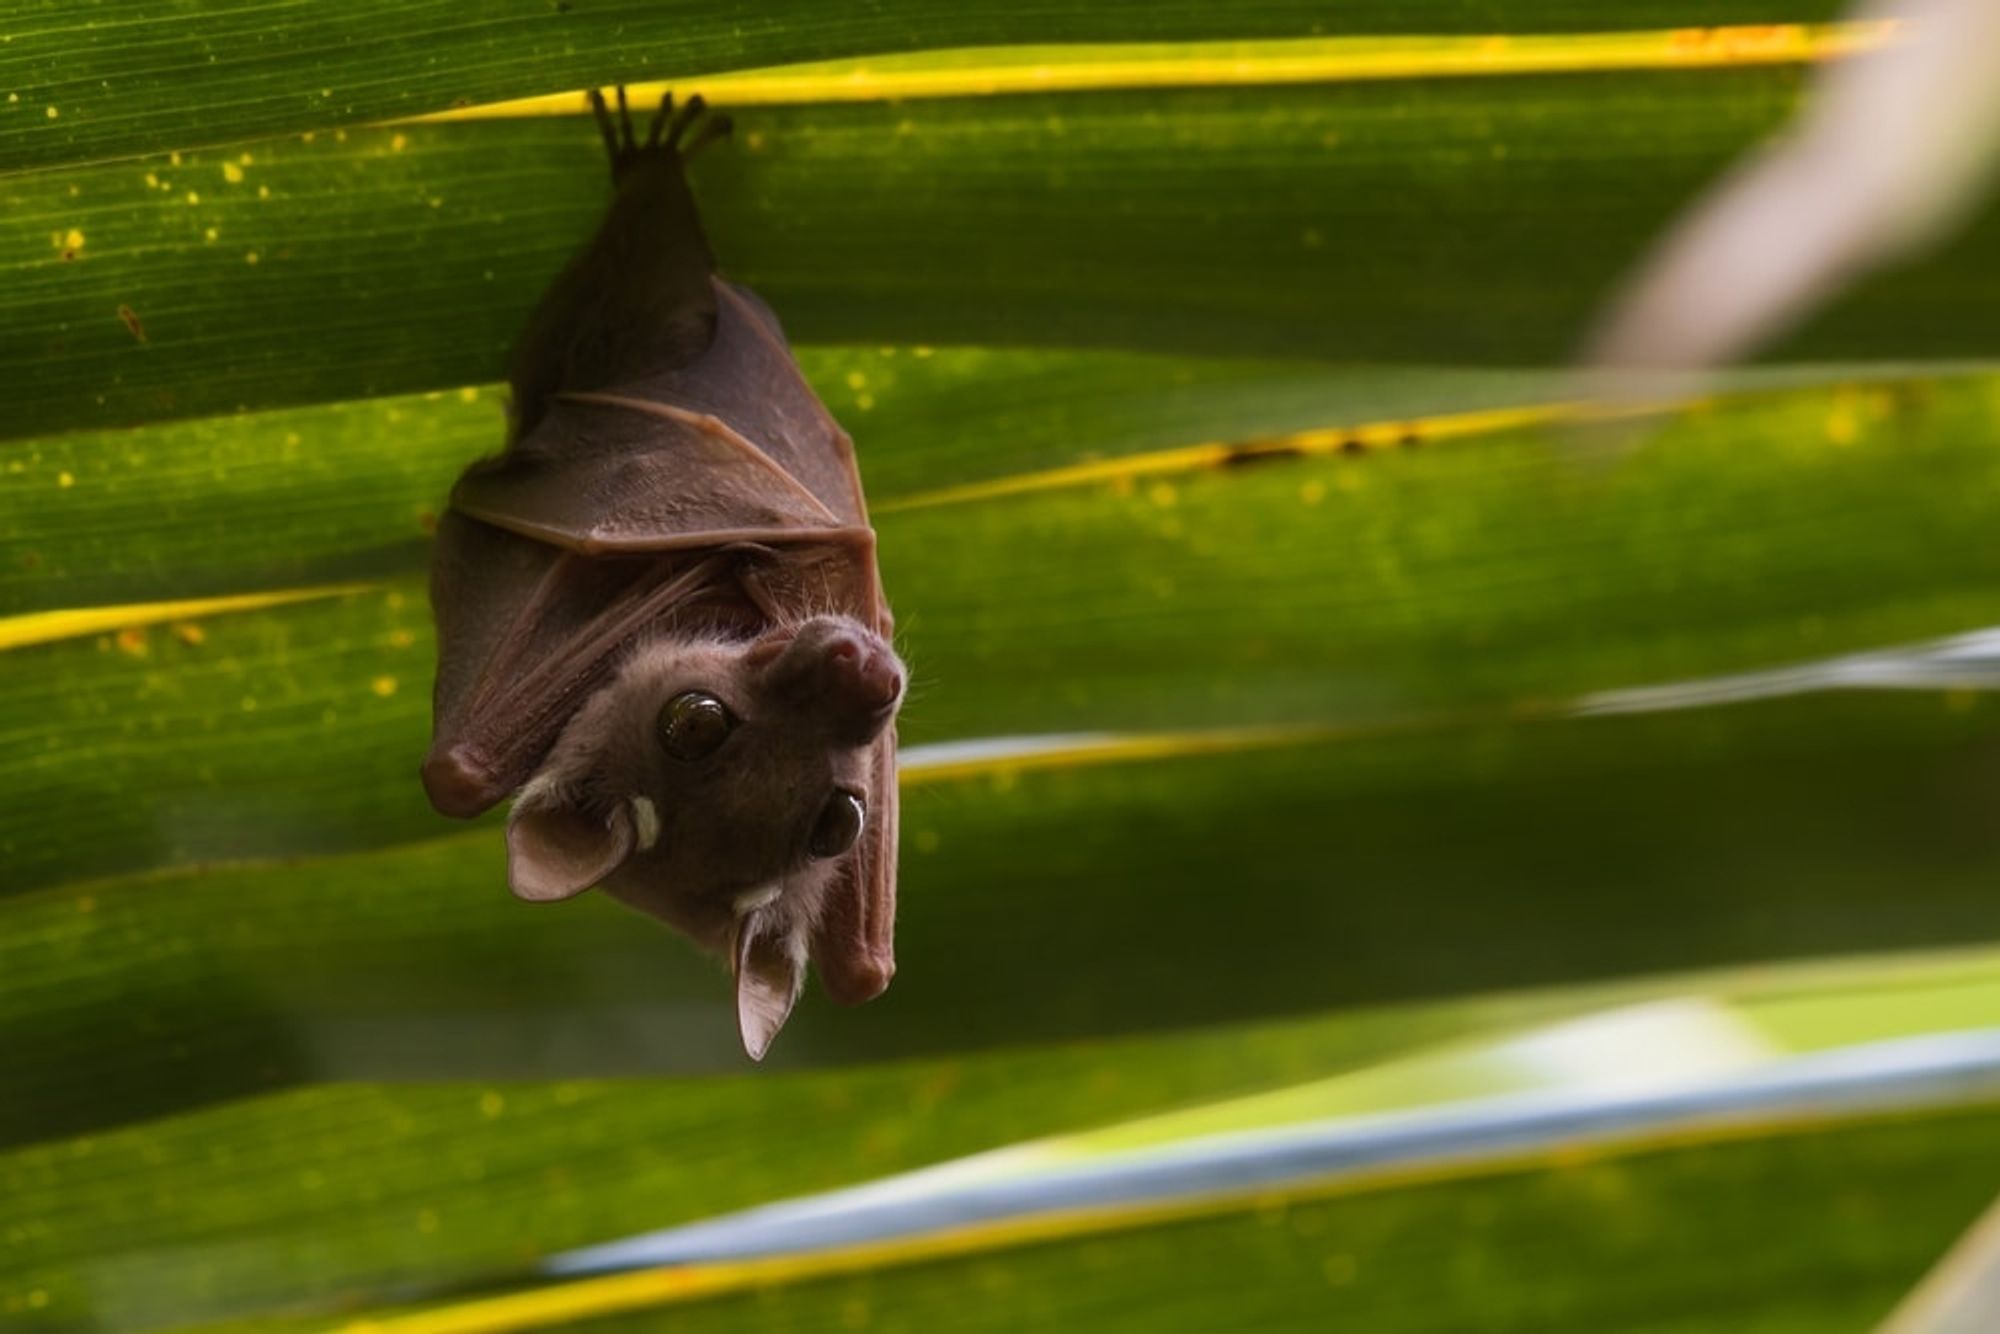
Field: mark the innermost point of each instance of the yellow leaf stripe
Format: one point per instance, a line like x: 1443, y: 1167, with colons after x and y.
x: 1218, y: 454
x: 1081, y: 68
x: 43, y: 627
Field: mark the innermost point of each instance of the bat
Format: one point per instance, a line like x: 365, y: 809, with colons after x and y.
x: 661, y: 628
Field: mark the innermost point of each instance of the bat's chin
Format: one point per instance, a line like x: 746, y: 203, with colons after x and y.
x: 643, y: 885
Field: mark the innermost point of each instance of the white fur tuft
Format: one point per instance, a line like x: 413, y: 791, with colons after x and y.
x: 646, y: 822
x: 750, y: 900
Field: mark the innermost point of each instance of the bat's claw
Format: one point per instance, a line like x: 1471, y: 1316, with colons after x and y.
x: 676, y: 134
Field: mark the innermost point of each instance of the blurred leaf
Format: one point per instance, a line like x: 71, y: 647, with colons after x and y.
x: 444, y: 1182
x: 1052, y: 904
x: 1889, y: 155
x: 1799, y: 1233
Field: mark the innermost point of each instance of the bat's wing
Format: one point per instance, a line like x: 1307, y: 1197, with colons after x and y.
x: 722, y: 480
x: 735, y: 441
x: 528, y: 632
x: 610, y: 475
x: 854, y: 945
x: 749, y: 379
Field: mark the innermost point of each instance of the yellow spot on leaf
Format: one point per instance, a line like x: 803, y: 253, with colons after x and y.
x: 188, y: 632
x: 1313, y: 492
x: 383, y: 686
x: 263, y: 192
x: 72, y: 239
x: 1163, y: 495
x: 856, y: 380
x: 491, y: 1104
x: 52, y: 113
x: 193, y: 198
x: 469, y: 394
x: 232, y: 173
x: 250, y: 258
x: 397, y: 144
x: 174, y: 158
x: 132, y: 641
x: 65, y: 480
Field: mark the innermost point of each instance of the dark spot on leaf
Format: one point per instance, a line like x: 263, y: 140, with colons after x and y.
x: 68, y: 254
x: 1353, y: 445
x: 427, y: 521
x: 1254, y: 453
x: 31, y: 560
x: 132, y: 325
x: 1410, y: 438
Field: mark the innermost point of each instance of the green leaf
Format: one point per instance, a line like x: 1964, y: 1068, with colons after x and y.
x: 221, y: 506
x: 1461, y: 220
x: 1484, y: 574
x: 135, y: 79
x: 279, y: 1048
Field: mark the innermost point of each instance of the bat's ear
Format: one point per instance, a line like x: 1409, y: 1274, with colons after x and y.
x: 556, y: 848
x: 770, y: 971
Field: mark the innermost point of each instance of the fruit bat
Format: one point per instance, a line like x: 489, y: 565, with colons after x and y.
x: 660, y: 624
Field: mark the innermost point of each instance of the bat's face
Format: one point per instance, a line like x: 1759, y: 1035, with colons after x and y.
x: 719, y: 786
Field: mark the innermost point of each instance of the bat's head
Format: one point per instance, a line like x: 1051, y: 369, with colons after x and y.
x: 726, y: 787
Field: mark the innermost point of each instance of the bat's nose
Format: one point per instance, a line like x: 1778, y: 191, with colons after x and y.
x: 863, y: 675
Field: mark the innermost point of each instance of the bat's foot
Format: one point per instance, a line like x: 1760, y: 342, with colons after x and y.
x: 676, y: 134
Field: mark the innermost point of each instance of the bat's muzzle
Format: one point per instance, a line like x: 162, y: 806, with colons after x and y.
x: 848, y: 667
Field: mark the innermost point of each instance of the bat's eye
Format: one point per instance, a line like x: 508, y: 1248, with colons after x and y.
x: 693, y: 724
x: 838, y: 825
